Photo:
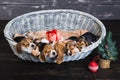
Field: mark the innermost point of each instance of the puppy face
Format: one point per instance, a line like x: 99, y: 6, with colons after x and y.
x: 82, y: 43
x: 71, y: 48
x: 48, y: 52
x: 25, y: 44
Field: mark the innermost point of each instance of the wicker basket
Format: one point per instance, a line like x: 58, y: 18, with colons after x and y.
x: 63, y: 19
x: 104, y: 64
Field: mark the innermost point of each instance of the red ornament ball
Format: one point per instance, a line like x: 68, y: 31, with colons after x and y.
x: 93, y: 66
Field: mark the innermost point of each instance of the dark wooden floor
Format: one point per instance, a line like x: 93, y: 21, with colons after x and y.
x: 13, y: 68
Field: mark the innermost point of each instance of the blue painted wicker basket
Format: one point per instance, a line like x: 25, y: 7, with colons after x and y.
x: 64, y: 19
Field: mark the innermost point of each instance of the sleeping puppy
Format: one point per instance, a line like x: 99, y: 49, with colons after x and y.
x: 85, y: 40
x: 89, y: 37
x: 48, y: 54
x: 71, y: 48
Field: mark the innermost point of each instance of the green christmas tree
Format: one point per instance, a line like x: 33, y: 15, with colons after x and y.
x: 107, y: 49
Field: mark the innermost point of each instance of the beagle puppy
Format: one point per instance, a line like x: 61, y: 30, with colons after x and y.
x: 48, y: 54
x: 85, y: 40
x: 25, y: 44
x: 89, y: 37
x: 53, y: 53
x: 81, y: 43
x: 60, y: 49
x: 71, y: 48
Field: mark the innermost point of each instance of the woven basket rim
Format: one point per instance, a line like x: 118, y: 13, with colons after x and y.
x: 59, y: 10
x: 94, y: 45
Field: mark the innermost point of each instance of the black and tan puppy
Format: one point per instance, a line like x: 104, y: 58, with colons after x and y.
x: 85, y: 40
x: 71, y: 48
x: 89, y: 37
x: 81, y: 43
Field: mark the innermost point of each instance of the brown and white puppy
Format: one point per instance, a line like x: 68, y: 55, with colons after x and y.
x: 60, y: 49
x: 71, y: 47
x: 48, y: 54
x: 86, y: 39
x: 81, y: 43
x: 26, y: 44
x: 53, y: 53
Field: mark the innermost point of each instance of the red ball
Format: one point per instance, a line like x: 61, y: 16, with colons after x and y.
x: 93, y: 66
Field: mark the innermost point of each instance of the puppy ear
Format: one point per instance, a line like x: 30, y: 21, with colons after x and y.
x: 42, y: 57
x: 18, y: 47
x: 59, y: 47
x: 87, y: 43
x: 60, y: 57
x: 59, y: 60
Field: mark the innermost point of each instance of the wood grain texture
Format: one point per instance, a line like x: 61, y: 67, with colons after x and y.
x: 102, y: 9
x: 13, y: 68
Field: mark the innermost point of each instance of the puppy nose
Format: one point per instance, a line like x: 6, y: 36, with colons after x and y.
x: 53, y: 53
x: 80, y: 47
x: 70, y: 54
x: 32, y: 45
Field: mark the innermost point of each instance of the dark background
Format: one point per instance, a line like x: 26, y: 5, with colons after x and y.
x: 102, y: 9
x: 13, y: 68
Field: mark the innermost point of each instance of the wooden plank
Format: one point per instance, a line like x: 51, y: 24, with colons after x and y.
x: 106, y: 12
x: 8, y: 12
x: 103, y: 9
x: 13, y: 68
x: 59, y: 1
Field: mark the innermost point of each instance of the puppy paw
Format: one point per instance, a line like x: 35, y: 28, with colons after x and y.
x: 59, y: 62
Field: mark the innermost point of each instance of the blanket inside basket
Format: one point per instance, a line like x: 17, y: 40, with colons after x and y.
x: 53, y: 45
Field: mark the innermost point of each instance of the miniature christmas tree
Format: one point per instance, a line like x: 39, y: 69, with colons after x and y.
x: 107, y: 49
